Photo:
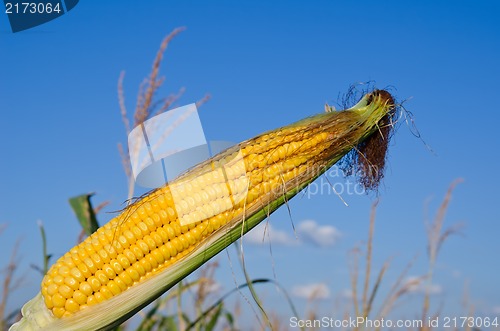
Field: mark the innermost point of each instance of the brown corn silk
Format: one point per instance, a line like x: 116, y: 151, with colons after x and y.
x: 238, y: 187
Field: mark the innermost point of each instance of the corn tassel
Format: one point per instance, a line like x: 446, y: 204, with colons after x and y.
x: 163, y: 237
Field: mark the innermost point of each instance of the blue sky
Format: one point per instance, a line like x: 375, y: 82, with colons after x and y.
x: 266, y: 65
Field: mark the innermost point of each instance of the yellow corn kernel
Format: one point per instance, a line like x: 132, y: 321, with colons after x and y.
x: 101, y: 276
x: 71, y: 305
x: 114, y: 288
x: 85, y: 288
x: 58, y: 300
x: 58, y: 280
x: 79, y: 297
x: 99, y: 297
x: 94, y: 283
x: 106, y: 292
x: 121, y: 284
x: 133, y: 274
x: 58, y: 311
x: 109, y: 271
x: 91, y: 300
x: 48, y: 301
x: 65, y: 291
x: 52, y: 289
x: 126, y: 279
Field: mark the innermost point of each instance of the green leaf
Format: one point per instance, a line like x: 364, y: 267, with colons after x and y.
x: 228, y: 315
x: 215, y: 317
x: 150, y: 319
x: 230, y: 320
x: 46, y: 257
x: 168, y: 323
x: 119, y: 328
x: 85, y: 212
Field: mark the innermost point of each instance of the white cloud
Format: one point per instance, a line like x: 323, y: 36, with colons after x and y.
x: 311, y: 291
x: 347, y: 294
x: 210, y: 287
x: 308, y: 231
x: 413, y: 284
x: 435, y: 289
x: 322, y: 236
x: 419, y: 285
x: 264, y: 232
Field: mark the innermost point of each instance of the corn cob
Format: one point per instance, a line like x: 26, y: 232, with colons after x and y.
x: 167, y: 234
